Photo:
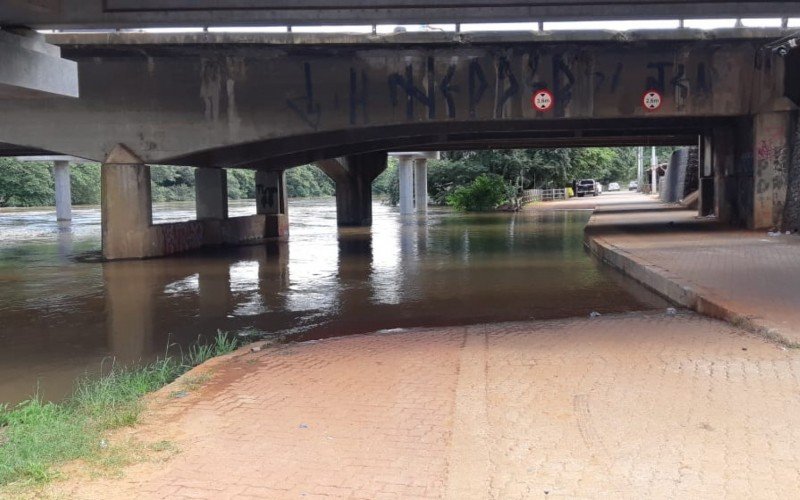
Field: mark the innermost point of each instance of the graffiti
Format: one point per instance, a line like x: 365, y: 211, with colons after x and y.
x: 306, y: 107
x: 476, y: 76
x: 413, y: 93
x: 681, y: 85
x: 266, y: 195
x: 417, y: 84
x: 659, y: 82
x: 506, y: 92
x: 447, y: 89
x: 561, y: 90
x: 358, y: 97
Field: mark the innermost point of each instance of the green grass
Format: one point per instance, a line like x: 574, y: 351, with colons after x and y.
x: 37, y: 436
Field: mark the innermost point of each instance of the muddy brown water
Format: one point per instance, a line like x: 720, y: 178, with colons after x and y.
x: 64, y: 314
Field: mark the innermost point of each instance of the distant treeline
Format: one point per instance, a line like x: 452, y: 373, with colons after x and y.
x: 31, y: 184
x: 28, y: 184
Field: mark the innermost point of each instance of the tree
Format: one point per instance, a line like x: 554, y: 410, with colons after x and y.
x: 26, y: 184
x: 85, y: 184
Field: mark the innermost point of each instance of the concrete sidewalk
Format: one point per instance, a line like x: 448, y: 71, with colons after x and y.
x: 749, y: 278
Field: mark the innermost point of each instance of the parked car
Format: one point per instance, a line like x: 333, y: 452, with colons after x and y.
x: 613, y: 186
x: 586, y: 187
x: 633, y: 186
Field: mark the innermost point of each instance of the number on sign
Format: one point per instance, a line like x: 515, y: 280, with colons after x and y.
x: 542, y: 100
x: 651, y: 100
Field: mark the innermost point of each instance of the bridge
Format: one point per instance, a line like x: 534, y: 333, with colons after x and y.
x: 269, y: 102
x: 143, y: 13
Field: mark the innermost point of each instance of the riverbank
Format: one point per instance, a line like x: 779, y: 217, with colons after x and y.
x: 640, y: 404
x: 748, y: 278
x: 38, y: 437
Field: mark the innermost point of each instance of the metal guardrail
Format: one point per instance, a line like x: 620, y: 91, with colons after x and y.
x: 531, y: 195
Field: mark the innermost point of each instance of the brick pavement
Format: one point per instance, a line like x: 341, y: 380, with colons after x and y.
x: 640, y: 405
x: 745, y: 276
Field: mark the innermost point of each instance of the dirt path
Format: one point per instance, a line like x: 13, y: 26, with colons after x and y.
x: 629, y: 406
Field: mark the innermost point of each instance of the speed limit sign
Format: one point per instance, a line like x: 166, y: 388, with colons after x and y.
x: 651, y: 100
x: 542, y: 100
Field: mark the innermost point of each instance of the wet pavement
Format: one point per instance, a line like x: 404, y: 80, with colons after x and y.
x: 64, y: 314
x: 751, y: 278
x: 640, y: 405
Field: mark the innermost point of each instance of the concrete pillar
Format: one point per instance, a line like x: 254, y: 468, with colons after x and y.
x: 353, y: 176
x: 421, y: 185
x: 771, y: 145
x: 272, y: 202
x: 654, y: 172
x: 211, y: 193
x: 127, y: 211
x: 63, y: 191
x: 406, y: 179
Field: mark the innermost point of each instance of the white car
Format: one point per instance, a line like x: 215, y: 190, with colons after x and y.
x: 613, y: 186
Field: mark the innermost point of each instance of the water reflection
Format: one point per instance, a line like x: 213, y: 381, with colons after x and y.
x: 62, y: 314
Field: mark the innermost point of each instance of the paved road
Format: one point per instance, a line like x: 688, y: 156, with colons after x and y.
x: 630, y: 406
x: 748, y: 275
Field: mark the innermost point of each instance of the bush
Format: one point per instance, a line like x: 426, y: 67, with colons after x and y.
x: 486, y: 192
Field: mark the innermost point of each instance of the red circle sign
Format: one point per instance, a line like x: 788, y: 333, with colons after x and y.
x: 542, y: 100
x: 651, y: 100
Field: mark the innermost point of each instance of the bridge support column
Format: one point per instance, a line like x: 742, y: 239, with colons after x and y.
x: 772, y: 146
x: 63, y: 190
x: 211, y: 193
x: 272, y: 202
x: 353, y: 176
x: 126, y: 206
x: 406, y: 178
x: 421, y: 185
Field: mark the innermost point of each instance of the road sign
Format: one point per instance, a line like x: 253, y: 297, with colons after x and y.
x: 542, y: 100
x: 651, y: 100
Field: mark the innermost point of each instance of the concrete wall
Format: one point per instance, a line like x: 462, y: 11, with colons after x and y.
x: 234, y: 104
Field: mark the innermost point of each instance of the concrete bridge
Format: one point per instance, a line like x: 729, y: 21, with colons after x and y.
x: 273, y: 101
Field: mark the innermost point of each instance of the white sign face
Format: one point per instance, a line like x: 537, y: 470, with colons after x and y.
x: 542, y: 100
x: 651, y: 100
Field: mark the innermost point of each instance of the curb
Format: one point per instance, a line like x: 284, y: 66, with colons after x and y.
x: 676, y: 288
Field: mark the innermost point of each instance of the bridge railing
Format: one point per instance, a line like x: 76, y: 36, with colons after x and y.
x: 531, y: 195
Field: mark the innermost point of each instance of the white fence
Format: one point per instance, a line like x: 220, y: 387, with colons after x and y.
x: 530, y: 195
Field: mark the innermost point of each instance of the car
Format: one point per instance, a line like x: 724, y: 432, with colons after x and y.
x: 633, y: 186
x: 613, y: 186
x: 587, y: 187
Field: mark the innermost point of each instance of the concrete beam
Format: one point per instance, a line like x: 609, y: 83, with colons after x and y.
x: 32, y: 68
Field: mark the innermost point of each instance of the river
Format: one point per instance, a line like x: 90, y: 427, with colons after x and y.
x: 65, y: 314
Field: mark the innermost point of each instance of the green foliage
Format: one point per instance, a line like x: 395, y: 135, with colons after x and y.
x: 486, y: 192
x: 308, y: 181
x: 172, y: 183
x: 37, y: 436
x: 25, y: 184
x: 85, y: 184
x: 241, y: 184
x: 386, y: 185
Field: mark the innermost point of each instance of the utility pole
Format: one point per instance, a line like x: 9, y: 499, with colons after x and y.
x: 654, y: 175
x: 640, y: 169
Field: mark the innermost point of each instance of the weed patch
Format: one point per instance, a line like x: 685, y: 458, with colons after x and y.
x: 37, y: 436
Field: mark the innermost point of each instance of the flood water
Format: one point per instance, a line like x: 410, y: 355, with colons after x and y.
x: 63, y: 313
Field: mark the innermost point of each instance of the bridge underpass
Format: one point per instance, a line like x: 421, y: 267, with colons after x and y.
x: 270, y: 103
